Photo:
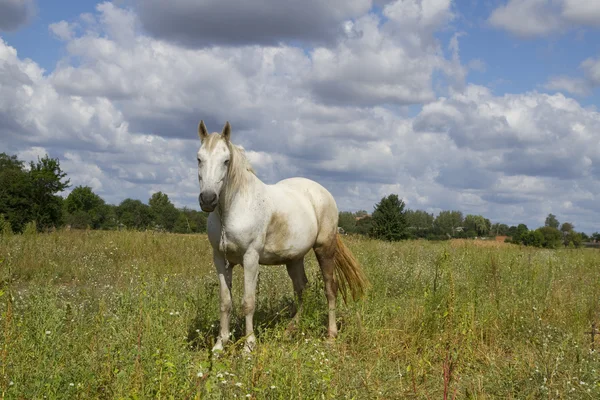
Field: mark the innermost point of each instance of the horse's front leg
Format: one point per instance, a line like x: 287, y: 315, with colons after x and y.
x: 225, y: 274
x: 249, y: 303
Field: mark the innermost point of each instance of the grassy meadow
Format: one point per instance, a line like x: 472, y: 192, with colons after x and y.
x: 134, y: 315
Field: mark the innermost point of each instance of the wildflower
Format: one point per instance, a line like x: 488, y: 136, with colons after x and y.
x: 48, y: 332
x: 273, y: 386
x: 71, y: 384
x: 11, y: 383
x: 238, y: 384
x: 219, y: 375
x: 248, y: 395
x: 199, y: 374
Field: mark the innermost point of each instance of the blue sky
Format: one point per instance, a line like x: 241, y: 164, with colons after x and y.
x: 367, y: 98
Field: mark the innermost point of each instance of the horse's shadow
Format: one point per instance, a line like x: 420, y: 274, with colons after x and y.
x: 268, y: 317
x: 204, y: 328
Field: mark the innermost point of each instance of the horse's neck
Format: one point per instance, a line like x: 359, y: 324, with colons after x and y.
x: 241, y: 199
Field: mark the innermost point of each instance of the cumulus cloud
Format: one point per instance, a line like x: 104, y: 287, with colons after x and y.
x: 387, y: 62
x: 15, y: 13
x: 534, y: 18
x: 121, y: 111
x: 581, y: 86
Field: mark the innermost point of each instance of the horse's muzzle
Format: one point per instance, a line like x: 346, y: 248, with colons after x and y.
x: 208, y: 201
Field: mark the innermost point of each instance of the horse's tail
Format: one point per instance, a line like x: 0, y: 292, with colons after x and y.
x: 348, y: 271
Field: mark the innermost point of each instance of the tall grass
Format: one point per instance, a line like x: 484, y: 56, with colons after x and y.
x: 134, y: 315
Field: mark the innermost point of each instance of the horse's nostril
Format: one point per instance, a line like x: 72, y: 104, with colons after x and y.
x: 208, y: 197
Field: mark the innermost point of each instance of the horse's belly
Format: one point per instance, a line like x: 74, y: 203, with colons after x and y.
x: 290, y: 242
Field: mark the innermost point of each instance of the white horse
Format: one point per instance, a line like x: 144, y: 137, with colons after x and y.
x: 252, y: 223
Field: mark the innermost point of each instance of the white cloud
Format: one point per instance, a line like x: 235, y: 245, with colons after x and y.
x: 62, y: 30
x: 121, y: 112
x: 584, y: 12
x: 534, y: 18
x: 577, y: 86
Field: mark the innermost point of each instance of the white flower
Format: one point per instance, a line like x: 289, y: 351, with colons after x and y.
x: 238, y: 384
x: 71, y: 384
x: 11, y: 383
x: 273, y: 386
x: 199, y: 374
x: 219, y: 375
x: 248, y: 395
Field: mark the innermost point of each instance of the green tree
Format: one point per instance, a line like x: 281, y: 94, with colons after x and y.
x: 574, y: 239
x: 499, y: 229
x: 478, y: 224
x: 84, y: 207
x: 134, y: 214
x: 364, y: 225
x: 347, y: 221
x: 163, y: 212
x: 447, y: 221
x: 15, y: 192
x: 389, y: 222
x: 47, y: 179
x: 551, y: 221
x: 567, y: 227
x: 419, y: 222
x: 190, y: 221
x: 553, y: 238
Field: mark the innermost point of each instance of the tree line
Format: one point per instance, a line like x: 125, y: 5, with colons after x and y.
x: 29, y: 199
x: 391, y: 221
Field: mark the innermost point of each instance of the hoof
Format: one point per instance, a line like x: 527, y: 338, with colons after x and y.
x: 218, y: 347
x: 250, y: 344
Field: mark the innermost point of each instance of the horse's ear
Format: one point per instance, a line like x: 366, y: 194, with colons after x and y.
x: 226, y: 131
x: 202, y: 132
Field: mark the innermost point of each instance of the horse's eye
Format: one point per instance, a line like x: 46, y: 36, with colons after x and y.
x: 226, y: 162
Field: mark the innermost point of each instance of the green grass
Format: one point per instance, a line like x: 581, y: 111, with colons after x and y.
x: 134, y: 315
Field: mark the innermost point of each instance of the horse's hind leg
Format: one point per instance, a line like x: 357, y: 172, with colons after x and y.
x: 296, y: 272
x: 325, y: 255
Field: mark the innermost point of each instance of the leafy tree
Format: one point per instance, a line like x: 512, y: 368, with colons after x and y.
x: 533, y: 238
x: 567, y: 227
x: 347, y: 221
x: 520, y: 233
x: 190, y: 221
x: 478, y: 224
x: 419, y: 222
x: 364, y: 225
x: 361, y: 213
x: 389, y: 222
x: 499, y: 229
x: 551, y: 221
x: 553, y: 238
x: 15, y: 192
x: 584, y: 236
x: 46, y: 178
x: 85, y: 208
x: 163, y: 212
x: 447, y: 221
x: 573, y: 239
x: 134, y: 214
x: 596, y: 236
